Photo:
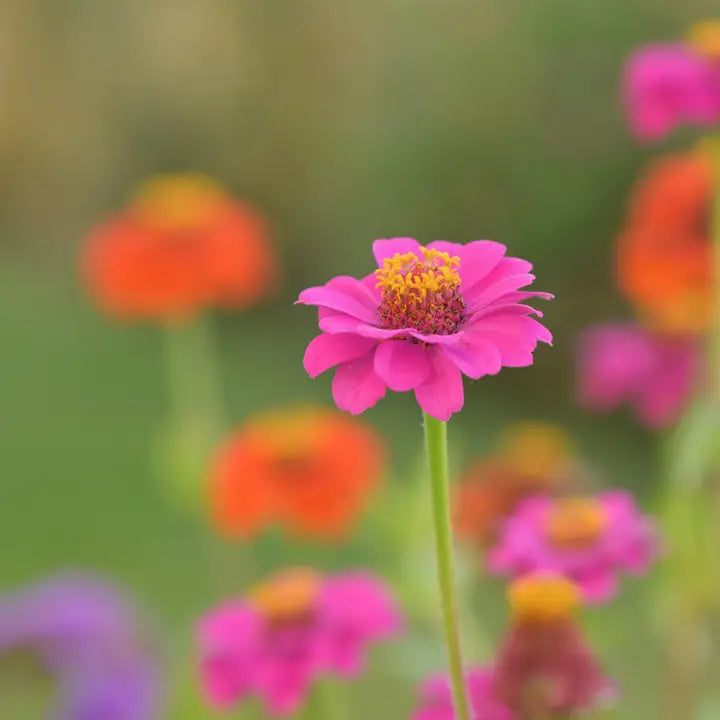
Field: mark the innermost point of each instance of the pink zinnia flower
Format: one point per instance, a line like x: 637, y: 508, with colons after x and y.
x: 436, y: 698
x: 669, y: 85
x: 279, y: 638
x: 427, y: 316
x: 545, y: 668
x: 624, y: 363
x: 588, y: 539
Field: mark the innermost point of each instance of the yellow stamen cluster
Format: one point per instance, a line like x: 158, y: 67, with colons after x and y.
x: 575, y: 523
x: 543, y: 598
x: 288, y: 597
x: 421, y: 292
x: 704, y: 37
x: 178, y: 201
x: 409, y: 275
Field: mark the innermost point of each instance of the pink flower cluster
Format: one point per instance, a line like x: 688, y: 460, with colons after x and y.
x: 622, y: 363
x: 669, y: 85
x: 277, y: 642
x: 588, y: 540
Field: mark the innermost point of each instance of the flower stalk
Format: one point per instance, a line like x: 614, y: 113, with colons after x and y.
x: 436, y: 448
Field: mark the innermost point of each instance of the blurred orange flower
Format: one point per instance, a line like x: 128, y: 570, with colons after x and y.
x: 307, y: 469
x: 182, y: 245
x: 533, y: 457
x: 664, y: 255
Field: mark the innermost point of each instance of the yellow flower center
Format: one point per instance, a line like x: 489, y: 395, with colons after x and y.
x: 421, y: 292
x: 704, y: 37
x: 575, y: 523
x: 288, y: 597
x: 543, y: 598
x: 289, y: 435
x: 178, y: 201
x: 535, y: 449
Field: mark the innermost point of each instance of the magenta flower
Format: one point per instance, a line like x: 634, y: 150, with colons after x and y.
x: 276, y: 641
x: 587, y: 539
x: 623, y: 363
x: 427, y: 316
x: 436, y: 698
x: 669, y: 85
x: 545, y: 668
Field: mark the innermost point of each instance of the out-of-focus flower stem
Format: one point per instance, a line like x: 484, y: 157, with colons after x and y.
x: 195, y: 424
x: 436, y: 448
x: 193, y: 377
x: 196, y: 415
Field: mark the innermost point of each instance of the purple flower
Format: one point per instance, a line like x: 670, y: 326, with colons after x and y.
x: 587, y: 539
x: 669, y: 85
x: 427, y: 316
x: 277, y: 640
x: 85, y: 634
x: 436, y: 698
x: 623, y: 363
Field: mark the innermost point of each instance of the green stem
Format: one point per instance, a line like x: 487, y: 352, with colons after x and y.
x: 436, y: 448
x: 195, y: 425
x: 193, y: 375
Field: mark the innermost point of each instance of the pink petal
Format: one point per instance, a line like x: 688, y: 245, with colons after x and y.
x: 599, y: 586
x: 344, y: 294
x: 514, y: 336
x: 334, y: 322
x: 356, y: 386
x: 478, y: 260
x: 451, y: 248
x: 326, y: 350
x: 510, y: 283
x: 475, y: 357
x: 383, y: 249
x: 442, y: 393
x: 401, y: 365
x: 507, y: 267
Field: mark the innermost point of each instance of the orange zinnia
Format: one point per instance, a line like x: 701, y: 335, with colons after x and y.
x: 664, y: 254
x: 181, y: 246
x: 307, y: 469
x: 533, y: 457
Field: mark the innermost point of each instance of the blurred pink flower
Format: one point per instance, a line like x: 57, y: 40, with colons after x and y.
x: 587, y: 539
x: 279, y: 638
x: 545, y: 668
x: 623, y: 363
x: 436, y: 698
x: 424, y: 318
x: 669, y: 85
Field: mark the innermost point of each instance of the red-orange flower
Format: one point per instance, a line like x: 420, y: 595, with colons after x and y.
x: 664, y: 254
x: 307, y: 469
x: 182, y: 245
x: 533, y: 457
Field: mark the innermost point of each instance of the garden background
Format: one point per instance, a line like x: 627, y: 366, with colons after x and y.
x: 343, y: 122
